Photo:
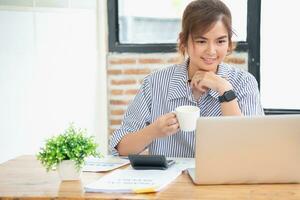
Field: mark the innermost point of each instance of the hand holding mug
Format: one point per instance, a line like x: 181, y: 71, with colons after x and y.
x: 166, y: 125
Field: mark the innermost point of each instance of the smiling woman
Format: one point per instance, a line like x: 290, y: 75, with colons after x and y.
x: 208, y: 49
x: 215, y: 88
x: 206, y: 38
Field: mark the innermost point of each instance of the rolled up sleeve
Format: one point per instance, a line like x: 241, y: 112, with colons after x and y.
x: 136, y: 117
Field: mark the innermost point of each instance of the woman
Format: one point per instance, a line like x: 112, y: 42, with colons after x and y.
x: 202, y: 80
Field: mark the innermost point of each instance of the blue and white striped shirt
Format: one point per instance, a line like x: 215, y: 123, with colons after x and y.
x: 164, y: 90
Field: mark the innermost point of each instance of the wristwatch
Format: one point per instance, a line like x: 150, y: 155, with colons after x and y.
x: 227, y: 96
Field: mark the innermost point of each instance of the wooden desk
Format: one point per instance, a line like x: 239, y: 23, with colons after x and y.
x: 24, y: 177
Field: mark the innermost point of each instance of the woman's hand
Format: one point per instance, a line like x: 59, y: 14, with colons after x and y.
x: 203, y: 80
x: 136, y: 142
x: 165, y: 125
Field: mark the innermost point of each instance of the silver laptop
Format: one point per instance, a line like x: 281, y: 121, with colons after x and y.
x: 234, y: 150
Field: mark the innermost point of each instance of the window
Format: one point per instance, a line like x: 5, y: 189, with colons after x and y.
x: 153, y: 26
x: 143, y: 22
x: 279, y: 52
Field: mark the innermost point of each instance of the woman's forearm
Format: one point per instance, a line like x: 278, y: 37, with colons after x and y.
x: 136, y: 142
x: 231, y: 108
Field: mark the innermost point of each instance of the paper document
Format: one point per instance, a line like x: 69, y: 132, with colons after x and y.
x: 133, y: 181
x: 183, y: 163
x: 104, y: 164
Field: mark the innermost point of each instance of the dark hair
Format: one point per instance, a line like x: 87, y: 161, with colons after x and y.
x: 199, y: 16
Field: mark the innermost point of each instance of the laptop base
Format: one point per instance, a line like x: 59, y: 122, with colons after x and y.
x: 191, y: 172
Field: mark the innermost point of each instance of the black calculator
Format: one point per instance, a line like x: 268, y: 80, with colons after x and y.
x: 149, y: 161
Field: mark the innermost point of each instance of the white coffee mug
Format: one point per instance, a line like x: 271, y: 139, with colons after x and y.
x: 187, y: 117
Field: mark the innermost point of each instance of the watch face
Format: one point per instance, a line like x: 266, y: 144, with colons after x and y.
x: 229, y: 95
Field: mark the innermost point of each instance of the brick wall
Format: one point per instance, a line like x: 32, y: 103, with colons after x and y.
x: 125, y: 73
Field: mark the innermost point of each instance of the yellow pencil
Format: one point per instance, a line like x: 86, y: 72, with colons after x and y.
x: 144, y: 190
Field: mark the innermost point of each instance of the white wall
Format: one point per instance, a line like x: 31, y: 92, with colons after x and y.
x: 50, y: 75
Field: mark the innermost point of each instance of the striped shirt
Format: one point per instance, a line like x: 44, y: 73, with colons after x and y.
x: 164, y: 90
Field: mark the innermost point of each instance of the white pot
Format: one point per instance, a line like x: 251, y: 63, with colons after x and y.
x: 67, y: 171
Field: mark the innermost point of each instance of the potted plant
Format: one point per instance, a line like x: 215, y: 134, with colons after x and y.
x: 66, y: 152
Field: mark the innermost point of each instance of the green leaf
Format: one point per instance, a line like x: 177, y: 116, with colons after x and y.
x: 73, y: 144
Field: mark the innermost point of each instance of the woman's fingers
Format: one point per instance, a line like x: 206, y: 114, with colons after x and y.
x: 172, y: 121
x: 197, y: 78
x: 173, y: 128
